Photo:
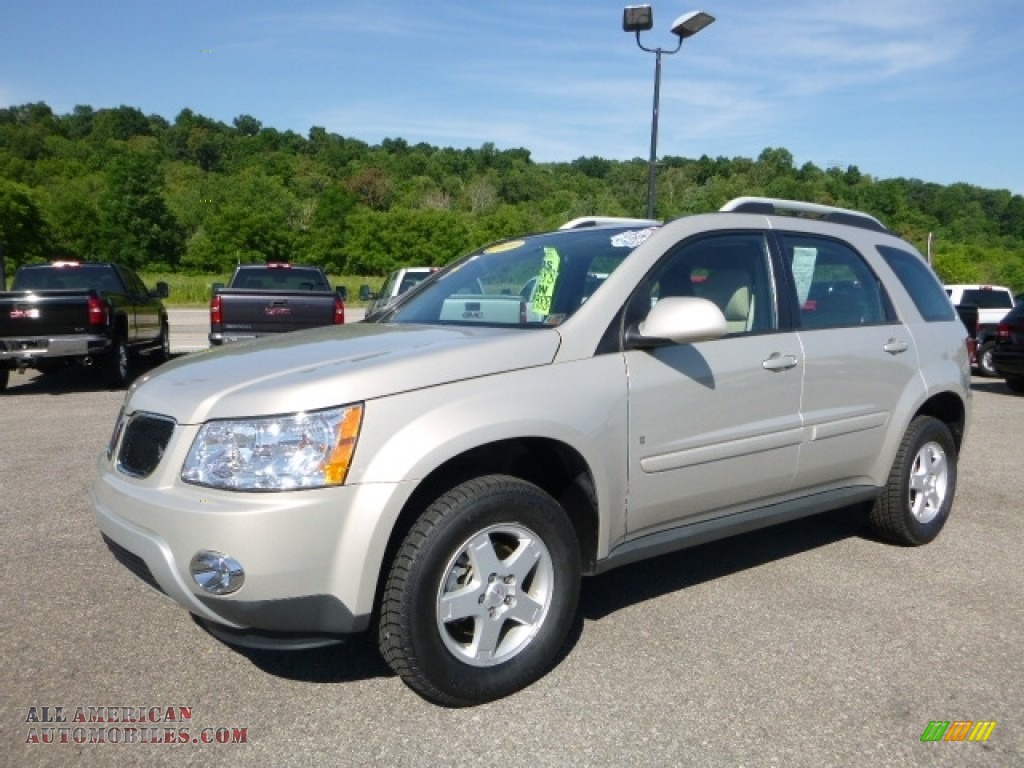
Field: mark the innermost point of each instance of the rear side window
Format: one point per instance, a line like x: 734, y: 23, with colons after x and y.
x: 921, y: 283
x: 834, y: 286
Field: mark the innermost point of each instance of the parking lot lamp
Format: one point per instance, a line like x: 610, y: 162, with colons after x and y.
x: 640, y: 18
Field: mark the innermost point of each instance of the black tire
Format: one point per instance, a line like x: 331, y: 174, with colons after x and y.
x: 507, y: 549
x: 116, y: 365
x: 5, y: 375
x: 984, y: 357
x: 1015, y: 383
x: 163, y: 353
x: 922, y: 482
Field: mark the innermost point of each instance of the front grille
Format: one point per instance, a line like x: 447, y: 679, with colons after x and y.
x: 132, y: 562
x: 145, y: 438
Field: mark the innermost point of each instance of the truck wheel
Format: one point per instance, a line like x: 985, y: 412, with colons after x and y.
x: 922, y: 482
x: 5, y: 376
x: 164, y: 353
x: 985, y: 365
x: 482, y: 592
x: 1015, y: 383
x: 116, y: 365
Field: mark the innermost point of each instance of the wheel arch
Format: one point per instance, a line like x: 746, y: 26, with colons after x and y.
x: 555, y: 467
x: 950, y: 409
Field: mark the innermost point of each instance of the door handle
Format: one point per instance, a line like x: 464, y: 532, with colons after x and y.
x: 895, y: 346
x: 779, y: 362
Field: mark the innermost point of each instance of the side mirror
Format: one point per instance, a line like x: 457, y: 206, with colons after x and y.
x: 162, y: 290
x: 365, y: 294
x: 342, y: 292
x: 678, y: 320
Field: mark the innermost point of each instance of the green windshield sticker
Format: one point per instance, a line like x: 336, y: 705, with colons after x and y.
x: 546, y: 282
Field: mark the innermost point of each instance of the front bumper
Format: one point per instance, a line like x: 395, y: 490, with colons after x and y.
x: 311, y: 558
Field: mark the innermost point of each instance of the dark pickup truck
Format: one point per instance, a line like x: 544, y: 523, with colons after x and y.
x: 264, y: 299
x: 81, y: 313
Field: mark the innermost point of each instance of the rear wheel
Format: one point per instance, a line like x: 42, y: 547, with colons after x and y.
x: 922, y: 482
x: 1015, y: 383
x: 5, y: 375
x: 482, y: 592
x: 116, y: 365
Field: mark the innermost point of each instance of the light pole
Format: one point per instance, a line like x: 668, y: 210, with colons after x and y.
x: 640, y: 18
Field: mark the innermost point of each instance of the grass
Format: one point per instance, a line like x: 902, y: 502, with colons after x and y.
x: 195, y: 290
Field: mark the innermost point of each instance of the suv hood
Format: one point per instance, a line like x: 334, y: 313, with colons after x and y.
x: 325, y: 367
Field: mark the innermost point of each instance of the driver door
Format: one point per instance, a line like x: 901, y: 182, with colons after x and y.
x: 715, y: 426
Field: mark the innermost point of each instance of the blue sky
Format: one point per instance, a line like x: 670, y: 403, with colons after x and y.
x: 927, y: 89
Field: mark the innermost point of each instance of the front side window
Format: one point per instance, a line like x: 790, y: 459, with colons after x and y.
x: 731, y: 270
x: 834, y: 285
x: 537, y: 281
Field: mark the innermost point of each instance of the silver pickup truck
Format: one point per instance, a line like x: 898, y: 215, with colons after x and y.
x: 616, y: 393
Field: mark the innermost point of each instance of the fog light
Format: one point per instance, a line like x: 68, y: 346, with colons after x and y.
x: 216, y: 573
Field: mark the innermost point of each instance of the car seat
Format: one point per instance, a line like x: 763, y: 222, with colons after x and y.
x: 730, y: 289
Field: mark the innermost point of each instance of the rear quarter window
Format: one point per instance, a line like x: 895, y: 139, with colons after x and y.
x: 921, y: 283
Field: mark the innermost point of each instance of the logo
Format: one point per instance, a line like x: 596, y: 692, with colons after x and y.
x: 958, y: 730
x: 277, y: 311
x: 25, y: 314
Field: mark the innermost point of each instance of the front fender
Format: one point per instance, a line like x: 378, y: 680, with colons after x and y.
x: 406, y: 437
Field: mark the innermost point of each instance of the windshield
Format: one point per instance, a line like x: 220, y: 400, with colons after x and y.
x: 536, y: 281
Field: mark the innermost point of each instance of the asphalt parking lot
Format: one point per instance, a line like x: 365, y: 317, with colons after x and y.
x: 809, y: 644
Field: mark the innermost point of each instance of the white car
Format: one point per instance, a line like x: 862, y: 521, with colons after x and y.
x: 397, y: 283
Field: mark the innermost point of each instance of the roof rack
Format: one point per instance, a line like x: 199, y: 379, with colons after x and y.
x: 771, y: 206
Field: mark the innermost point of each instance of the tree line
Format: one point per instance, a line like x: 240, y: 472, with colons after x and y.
x: 197, y: 196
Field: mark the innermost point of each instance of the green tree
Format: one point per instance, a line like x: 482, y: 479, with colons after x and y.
x: 253, y: 218
x: 139, y: 230
x: 22, y: 232
x: 379, y: 242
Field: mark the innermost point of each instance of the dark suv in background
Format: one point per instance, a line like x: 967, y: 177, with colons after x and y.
x: 1008, y: 352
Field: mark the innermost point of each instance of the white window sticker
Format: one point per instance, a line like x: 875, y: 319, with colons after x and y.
x: 803, y: 271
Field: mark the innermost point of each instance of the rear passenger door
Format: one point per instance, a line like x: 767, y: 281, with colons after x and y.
x: 858, y: 359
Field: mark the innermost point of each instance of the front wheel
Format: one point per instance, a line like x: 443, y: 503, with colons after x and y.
x: 482, y: 592
x: 163, y: 354
x: 918, y: 496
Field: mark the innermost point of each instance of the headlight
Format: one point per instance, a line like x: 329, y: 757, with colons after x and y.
x: 278, y: 453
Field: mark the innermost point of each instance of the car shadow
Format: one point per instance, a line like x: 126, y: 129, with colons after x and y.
x: 357, y: 658
x: 648, y: 579
x: 73, y: 378
x: 995, y: 386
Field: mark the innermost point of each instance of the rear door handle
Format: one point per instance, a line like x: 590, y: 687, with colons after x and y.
x: 895, y: 346
x: 779, y: 362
